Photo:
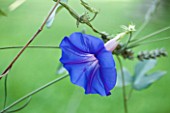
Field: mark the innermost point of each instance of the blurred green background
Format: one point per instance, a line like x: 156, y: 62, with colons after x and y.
x: 38, y: 66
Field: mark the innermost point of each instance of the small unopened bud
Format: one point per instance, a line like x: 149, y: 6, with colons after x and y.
x: 113, y: 43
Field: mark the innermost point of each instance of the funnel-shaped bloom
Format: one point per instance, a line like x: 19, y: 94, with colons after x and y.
x: 89, y: 63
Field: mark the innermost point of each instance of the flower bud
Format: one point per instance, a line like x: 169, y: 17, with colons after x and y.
x: 113, y: 43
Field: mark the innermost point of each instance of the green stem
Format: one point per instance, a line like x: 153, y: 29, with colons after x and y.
x: 130, y: 37
x: 33, y: 93
x: 125, y: 46
x: 123, y: 88
x: 77, y: 17
x: 130, y: 93
x: 5, y: 91
x: 22, y: 107
x: 93, y: 17
x: 94, y: 29
x: 150, y: 35
x: 36, y: 47
x: 148, y: 42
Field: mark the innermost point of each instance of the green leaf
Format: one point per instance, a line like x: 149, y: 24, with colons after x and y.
x: 144, y: 66
x: 147, y: 80
x: 141, y: 79
x: 127, y: 77
x: 52, y: 17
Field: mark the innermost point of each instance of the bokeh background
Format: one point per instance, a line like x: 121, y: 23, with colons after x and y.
x: 38, y: 66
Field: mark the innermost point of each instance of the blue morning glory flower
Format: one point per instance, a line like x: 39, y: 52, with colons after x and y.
x: 89, y: 63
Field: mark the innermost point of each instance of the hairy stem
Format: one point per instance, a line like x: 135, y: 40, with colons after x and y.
x: 29, y: 42
x: 123, y: 84
x: 33, y: 93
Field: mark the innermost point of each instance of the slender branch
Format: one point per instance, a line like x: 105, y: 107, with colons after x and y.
x: 156, y: 40
x: 36, y: 47
x: 28, y: 43
x: 123, y: 84
x: 33, y: 93
x: 78, y: 18
x: 94, y: 29
x: 130, y: 93
x: 148, y: 42
x: 150, y: 35
x: 129, y: 39
x: 93, y: 17
x: 22, y: 107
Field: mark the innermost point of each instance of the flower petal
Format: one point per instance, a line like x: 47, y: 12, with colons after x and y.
x: 105, y: 59
x: 86, y: 43
x: 107, y: 71
x: 94, y: 79
x: 89, y: 64
x: 72, y: 54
